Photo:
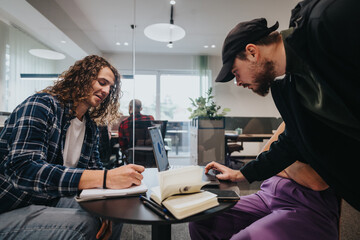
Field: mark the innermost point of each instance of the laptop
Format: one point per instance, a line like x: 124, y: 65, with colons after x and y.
x: 161, y: 159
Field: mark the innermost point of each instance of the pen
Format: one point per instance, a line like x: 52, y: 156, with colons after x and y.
x: 143, y: 198
x: 155, y: 209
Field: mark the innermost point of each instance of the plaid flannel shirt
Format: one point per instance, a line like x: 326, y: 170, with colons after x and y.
x: 124, y: 133
x: 31, y: 147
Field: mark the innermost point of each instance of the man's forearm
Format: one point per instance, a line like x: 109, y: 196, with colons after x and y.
x: 116, y: 178
x: 91, y: 179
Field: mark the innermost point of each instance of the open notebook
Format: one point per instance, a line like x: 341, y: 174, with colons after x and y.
x: 161, y: 158
x: 99, y: 193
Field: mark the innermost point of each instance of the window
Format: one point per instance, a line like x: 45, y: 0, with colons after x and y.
x: 165, y: 95
x: 175, y: 92
x: 145, y: 91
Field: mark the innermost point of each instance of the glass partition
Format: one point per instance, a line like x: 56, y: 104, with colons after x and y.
x: 145, y: 89
x: 22, y: 74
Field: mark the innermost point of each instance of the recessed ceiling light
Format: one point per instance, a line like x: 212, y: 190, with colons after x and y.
x: 206, y: 46
x: 213, y: 46
x: 46, y: 54
x: 170, y: 45
x: 118, y: 44
x: 63, y: 41
x: 126, y: 43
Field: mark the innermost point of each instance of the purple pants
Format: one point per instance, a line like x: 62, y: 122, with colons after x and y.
x: 281, y: 210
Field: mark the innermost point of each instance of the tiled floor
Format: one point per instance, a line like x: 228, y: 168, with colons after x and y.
x: 143, y: 232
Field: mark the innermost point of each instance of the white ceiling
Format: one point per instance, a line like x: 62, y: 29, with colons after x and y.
x: 93, y: 26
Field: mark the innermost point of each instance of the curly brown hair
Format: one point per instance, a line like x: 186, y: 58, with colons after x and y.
x: 75, y: 85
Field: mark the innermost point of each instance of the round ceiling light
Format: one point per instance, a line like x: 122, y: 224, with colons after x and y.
x: 47, y: 54
x: 164, y: 32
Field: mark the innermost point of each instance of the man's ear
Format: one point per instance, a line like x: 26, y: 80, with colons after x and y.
x: 252, y: 52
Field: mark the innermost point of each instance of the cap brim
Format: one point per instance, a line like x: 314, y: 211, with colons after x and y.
x: 225, y: 74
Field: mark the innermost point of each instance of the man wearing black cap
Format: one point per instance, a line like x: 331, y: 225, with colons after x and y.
x: 318, y: 96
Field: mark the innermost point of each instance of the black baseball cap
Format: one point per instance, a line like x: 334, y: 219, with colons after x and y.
x: 237, y: 39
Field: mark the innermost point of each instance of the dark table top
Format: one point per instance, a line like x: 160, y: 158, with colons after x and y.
x: 131, y: 209
x: 247, y: 137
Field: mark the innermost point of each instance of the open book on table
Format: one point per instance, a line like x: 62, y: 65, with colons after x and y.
x: 99, y: 193
x: 180, y: 192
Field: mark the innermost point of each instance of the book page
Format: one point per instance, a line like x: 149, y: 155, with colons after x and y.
x: 156, y: 194
x: 189, y: 174
x: 182, y: 206
x: 179, y: 181
x: 184, y: 202
x: 181, y: 188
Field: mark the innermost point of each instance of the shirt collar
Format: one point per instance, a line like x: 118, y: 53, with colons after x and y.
x: 67, y: 109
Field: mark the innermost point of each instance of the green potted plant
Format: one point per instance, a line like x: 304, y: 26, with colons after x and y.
x: 205, y: 107
x: 207, y: 130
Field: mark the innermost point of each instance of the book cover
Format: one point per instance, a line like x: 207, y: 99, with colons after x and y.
x: 99, y: 193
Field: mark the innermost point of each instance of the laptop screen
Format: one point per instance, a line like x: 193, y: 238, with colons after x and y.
x: 161, y: 159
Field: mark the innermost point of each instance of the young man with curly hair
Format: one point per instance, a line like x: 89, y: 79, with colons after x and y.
x: 49, y: 151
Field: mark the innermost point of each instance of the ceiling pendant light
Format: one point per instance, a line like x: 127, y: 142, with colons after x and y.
x: 47, y: 54
x: 165, y: 32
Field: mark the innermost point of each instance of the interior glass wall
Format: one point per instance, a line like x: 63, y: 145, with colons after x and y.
x: 164, y: 93
x: 17, y: 61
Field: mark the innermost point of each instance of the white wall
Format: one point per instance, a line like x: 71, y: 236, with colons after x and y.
x: 151, y: 62
x: 3, y: 41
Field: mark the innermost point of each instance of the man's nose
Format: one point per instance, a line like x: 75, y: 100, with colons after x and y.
x: 237, y: 81
x: 106, y: 90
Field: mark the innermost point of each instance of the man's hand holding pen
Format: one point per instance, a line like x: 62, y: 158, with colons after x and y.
x: 125, y: 176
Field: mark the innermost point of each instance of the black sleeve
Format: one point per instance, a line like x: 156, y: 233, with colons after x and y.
x: 281, y: 154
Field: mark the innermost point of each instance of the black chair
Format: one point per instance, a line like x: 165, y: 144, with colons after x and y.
x: 105, y: 148
x: 231, y: 145
x: 162, y: 124
x: 143, y: 147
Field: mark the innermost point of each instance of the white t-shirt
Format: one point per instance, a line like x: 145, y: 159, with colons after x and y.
x: 73, y: 142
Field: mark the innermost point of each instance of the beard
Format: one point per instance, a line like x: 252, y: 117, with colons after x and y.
x: 264, y: 77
